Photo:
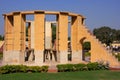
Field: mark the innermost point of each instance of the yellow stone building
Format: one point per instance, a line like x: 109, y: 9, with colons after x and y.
x: 15, y: 39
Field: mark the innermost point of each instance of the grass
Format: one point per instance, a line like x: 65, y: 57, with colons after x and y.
x: 83, y: 75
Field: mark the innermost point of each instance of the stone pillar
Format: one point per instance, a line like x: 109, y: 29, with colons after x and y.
x: 19, y: 38
x: 23, y: 32
x: 32, y: 35
x: 9, y: 33
x: 76, y: 46
x: 62, y: 37
x: 14, y: 39
x: 23, y: 38
x: 39, y: 21
x: 17, y: 31
x: 79, y: 22
x: 8, y: 47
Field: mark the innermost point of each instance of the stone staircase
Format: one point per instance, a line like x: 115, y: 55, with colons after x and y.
x: 98, y: 50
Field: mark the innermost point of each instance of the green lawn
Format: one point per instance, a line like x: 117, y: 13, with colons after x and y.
x: 83, y: 75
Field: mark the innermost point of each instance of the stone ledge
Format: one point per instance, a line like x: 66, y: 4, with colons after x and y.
x: 114, y: 69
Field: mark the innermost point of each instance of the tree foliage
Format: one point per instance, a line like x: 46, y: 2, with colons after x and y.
x: 87, y: 46
x: 106, y: 34
x: 1, y: 37
x: 53, y: 32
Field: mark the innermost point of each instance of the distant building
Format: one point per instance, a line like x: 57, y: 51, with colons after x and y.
x: 115, y: 43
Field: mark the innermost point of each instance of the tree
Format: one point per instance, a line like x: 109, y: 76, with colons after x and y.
x: 105, y: 34
x: 118, y: 35
x: 27, y: 31
x: 53, y: 32
x: 87, y: 46
x: 1, y: 37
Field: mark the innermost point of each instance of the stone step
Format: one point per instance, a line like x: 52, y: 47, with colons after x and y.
x: 115, y: 68
x: 52, y: 69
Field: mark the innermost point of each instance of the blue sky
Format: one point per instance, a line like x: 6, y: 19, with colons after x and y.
x: 97, y: 12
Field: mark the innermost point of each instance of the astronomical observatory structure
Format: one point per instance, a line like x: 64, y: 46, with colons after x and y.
x: 33, y: 46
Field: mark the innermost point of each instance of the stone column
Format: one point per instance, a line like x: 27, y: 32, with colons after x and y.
x: 9, y: 32
x: 8, y: 47
x: 14, y: 39
x: 19, y: 38
x: 14, y: 42
x: 76, y: 46
x: 19, y: 31
x: 39, y: 21
x: 23, y: 32
x: 32, y: 34
x: 23, y: 38
x: 62, y: 37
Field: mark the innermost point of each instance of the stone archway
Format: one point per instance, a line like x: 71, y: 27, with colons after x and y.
x: 86, y: 47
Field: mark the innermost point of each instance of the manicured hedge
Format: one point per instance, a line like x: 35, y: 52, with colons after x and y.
x: 61, y: 68
x: 82, y: 67
x: 22, y: 68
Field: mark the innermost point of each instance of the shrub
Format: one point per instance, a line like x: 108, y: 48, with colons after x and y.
x: 65, y: 67
x: 92, y: 66
x: 4, y: 69
x: 102, y: 65
x: 34, y: 69
x: 22, y: 68
x: 44, y: 68
x: 13, y: 69
x: 98, y: 66
x: 60, y: 68
x: 71, y: 67
x: 80, y: 67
